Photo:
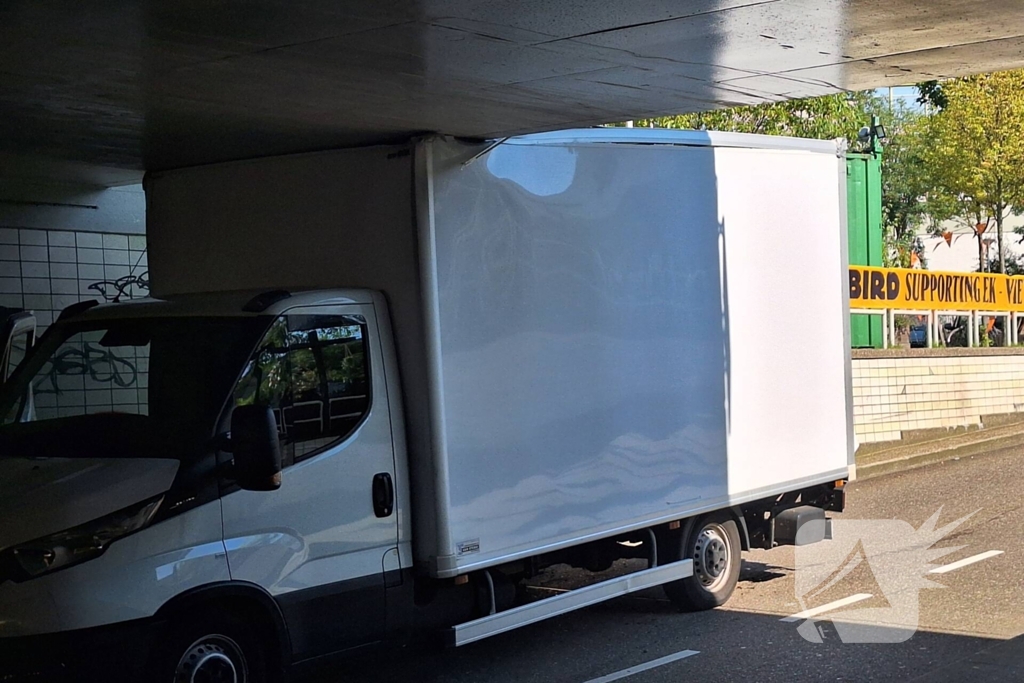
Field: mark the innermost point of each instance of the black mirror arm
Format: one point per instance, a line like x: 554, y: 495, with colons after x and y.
x: 222, y: 443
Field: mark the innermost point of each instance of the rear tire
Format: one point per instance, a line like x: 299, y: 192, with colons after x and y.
x: 713, y: 543
x: 213, y: 647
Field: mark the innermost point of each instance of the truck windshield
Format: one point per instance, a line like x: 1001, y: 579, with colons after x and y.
x: 130, y: 387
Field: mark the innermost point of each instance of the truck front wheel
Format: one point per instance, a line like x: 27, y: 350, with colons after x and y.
x: 216, y: 646
x: 713, y: 544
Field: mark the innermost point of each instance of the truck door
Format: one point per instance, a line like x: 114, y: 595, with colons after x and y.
x: 17, y: 334
x: 318, y: 543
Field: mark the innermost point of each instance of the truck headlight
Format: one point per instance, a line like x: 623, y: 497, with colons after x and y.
x: 78, y: 544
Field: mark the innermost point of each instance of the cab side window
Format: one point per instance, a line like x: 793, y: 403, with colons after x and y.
x: 313, y: 372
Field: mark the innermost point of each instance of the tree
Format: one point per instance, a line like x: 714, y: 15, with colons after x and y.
x: 906, y: 190
x: 1014, y: 264
x: 824, y: 118
x: 976, y: 148
x: 968, y: 213
x: 931, y: 94
x: 909, y: 201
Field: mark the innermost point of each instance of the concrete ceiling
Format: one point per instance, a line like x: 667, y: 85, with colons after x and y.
x: 99, y: 91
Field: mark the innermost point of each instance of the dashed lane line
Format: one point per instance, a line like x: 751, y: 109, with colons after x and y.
x: 807, y: 614
x: 966, y: 562
x: 653, y: 664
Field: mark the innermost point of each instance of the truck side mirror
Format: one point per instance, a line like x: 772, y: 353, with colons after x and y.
x: 256, y: 448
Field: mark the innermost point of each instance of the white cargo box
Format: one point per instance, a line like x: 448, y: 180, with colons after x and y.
x: 598, y: 329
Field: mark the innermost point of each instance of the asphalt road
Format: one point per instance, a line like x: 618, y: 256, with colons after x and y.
x: 968, y: 610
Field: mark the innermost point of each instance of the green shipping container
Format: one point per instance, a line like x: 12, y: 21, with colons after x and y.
x: 864, y: 218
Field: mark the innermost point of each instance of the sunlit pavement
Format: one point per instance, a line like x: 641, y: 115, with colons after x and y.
x: 965, y: 623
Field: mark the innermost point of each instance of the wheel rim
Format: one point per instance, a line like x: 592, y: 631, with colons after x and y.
x: 212, y: 659
x: 712, y: 556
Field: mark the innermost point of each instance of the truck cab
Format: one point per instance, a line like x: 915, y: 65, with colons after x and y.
x: 126, y: 509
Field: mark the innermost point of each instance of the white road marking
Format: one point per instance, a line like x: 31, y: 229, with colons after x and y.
x: 860, y: 597
x: 967, y: 562
x: 644, y: 667
x: 807, y: 614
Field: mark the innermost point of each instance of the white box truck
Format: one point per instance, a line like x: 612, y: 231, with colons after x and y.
x: 379, y: 388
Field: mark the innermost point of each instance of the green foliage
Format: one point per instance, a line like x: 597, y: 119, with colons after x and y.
x: 975, y: 154
x: 1014, y: 264
x: 908, y: 200
x: 905, y: 183
x: 897, y: 249
x: 931, y: 94
x: 963, y: 162
x: 824, y: 118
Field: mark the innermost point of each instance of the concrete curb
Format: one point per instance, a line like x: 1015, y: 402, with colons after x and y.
x: 902, y: 458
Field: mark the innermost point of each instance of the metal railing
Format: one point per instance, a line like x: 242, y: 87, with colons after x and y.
x: 934, y: 329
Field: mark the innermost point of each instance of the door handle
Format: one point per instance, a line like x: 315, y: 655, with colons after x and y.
x: 383, y: 495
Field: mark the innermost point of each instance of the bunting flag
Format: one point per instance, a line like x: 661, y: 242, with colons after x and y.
x: 980, y: 228
x: 948, y: 236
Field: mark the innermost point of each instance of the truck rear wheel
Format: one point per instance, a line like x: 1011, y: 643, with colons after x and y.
x: 216, y: 647
x: 713, y: 544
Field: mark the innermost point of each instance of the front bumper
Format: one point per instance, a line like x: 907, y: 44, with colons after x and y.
x: 117, y: 652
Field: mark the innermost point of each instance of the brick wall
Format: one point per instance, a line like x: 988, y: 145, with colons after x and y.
x: 897, y: 391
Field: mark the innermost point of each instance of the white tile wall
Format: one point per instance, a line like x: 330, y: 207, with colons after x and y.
x: 893, y: 395
x: 48, y: 270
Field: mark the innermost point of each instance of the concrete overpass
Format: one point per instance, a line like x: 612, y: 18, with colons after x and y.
x: 98, y: 92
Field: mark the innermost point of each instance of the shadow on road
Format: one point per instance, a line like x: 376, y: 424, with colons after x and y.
x: 733, y: 646
x: 760, y: 572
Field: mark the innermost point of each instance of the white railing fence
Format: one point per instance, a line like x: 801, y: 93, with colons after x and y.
x: 936, y: 332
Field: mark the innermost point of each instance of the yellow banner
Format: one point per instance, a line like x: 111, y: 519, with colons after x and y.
x: 927, y: 290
